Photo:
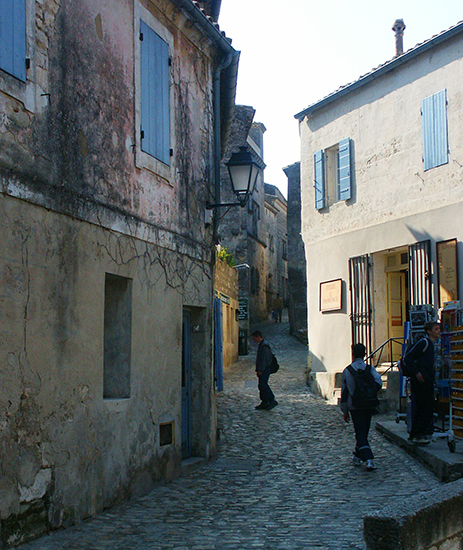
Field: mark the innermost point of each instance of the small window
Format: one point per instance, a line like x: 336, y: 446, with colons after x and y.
x: 13, y: 38
x: 271, y: 244
x: 332, y: 174
x: 117, y: 337
x: 434, y: 126
x: 255, y: 280
x: 166, y: 434
x: 255, y: 217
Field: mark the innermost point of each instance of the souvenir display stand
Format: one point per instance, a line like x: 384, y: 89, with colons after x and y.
x: 452, y: 366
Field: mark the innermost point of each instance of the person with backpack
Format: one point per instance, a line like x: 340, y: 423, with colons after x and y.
x: 359, y: 400
x: 419, y: 361
x: 263, y: 370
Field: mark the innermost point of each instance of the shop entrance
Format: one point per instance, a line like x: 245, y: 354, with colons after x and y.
x: 396, y: 309
x: 396, y: 268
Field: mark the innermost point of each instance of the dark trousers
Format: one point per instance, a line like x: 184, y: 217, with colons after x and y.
x: 423, y: 400
x: 265, y: 393
x: 361, y: 418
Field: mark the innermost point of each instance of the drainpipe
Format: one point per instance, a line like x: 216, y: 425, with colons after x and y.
x: 226, y: 62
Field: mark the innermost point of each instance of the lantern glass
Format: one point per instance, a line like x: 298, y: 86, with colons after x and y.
x: 243, y: 170
x: 240, y: 176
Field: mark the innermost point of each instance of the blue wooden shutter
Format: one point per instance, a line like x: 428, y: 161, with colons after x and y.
x: 344, y: 168
x: 13, y: 37
x: 434, y: 126
x: 319, y: 173
x: 155, y: 120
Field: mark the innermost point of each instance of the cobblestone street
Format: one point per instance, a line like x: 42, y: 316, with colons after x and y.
x: 283, y: 478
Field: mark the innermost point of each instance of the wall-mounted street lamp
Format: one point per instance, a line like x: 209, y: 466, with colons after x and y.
x: 243, y: 169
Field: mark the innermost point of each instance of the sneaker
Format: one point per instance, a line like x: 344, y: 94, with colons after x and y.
x: 261, y: 406
x: 420, y: 440
x: 272, y: 405
x: 356, y: 461
x: 371, y: 464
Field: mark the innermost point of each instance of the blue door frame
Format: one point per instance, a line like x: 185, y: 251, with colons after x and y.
x: 218, y: 346
x: 186, y: 385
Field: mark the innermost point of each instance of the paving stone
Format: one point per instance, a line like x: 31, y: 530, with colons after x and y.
x: 283, y: 479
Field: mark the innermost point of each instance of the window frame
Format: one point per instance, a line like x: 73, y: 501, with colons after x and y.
x: 28, y: 91
x: 143, y: 159
x: 434, y: 124
x: 13, y: 51
x: 333, y: 174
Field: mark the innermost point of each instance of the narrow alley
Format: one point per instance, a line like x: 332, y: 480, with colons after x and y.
x: 283, y: 478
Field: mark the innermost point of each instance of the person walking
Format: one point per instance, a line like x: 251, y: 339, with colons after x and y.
x: 278, y: 308
x: 420, y: 359
x: 263, y: 362
x: 360, y: 407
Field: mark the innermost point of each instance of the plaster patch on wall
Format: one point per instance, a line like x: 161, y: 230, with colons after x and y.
x: 38, y: 489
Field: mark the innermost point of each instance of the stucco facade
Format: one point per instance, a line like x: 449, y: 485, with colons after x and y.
x: 107, y: 262
x: 395, y: 201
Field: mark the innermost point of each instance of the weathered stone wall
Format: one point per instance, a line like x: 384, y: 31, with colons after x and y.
x: 277, y: 245
x: 81, y: 143
x: 77, y: 202
x: 297, y: 264
x: 78, y: 453
x: 236, y: 230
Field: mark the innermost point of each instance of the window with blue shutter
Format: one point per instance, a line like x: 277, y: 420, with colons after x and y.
x: 344, y: 170
x: 434, y: 125
x: 155, y: 119
x: 13, y: 38
x: 319, y: 184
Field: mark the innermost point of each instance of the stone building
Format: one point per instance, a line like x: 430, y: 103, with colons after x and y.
x: 277, y: 245
x: 258, y: 241
x: 297, y: 265
x: 382, y: 223
x: 111, y: 118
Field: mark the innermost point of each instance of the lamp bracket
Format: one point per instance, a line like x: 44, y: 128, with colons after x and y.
x: 211, y: 206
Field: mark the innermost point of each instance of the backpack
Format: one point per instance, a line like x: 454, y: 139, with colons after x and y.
x: 274, y: 366
x: 407, y: 365
x: 366, y: 388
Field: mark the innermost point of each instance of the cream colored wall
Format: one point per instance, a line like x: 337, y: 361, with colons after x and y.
x: 395, y: 203
x: 330, y: 333
x: 383, y: 119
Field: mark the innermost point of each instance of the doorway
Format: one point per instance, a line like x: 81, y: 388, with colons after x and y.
x: 396, y: 309
x: 186, y: 385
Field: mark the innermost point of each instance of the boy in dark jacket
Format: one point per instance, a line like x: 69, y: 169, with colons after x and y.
x: 421, y: 361
x: 263, y: 363
x: 361, y: 418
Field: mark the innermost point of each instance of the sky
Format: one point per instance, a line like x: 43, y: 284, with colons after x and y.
x: 295, y: 52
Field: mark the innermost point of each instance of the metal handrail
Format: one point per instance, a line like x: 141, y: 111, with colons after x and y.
x: 389, y: 341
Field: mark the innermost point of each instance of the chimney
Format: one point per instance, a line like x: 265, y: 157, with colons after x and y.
x: 398, y: 28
